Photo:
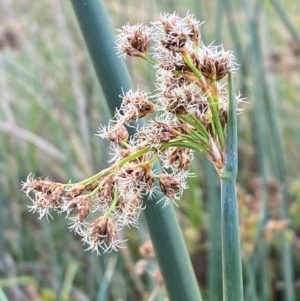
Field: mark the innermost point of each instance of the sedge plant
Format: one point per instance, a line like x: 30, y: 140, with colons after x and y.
x: 194, y: 112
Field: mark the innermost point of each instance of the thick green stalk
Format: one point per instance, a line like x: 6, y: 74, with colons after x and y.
x: 164, y: 229
x: 231, y: 251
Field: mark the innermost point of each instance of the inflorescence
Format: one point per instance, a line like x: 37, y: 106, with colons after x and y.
x: 191, y: 115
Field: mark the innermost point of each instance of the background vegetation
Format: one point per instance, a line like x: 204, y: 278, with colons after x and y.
x: 51, y: 106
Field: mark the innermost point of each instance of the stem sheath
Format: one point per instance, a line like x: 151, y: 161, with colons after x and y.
x: 231, y: 251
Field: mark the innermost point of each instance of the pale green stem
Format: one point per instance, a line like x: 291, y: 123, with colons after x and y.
x: 113, y: 205
x: 231, y: 250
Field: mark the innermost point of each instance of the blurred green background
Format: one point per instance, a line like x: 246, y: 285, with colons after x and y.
x: 51, y: 106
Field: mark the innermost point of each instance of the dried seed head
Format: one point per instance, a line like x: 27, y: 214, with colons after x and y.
x: 133, y: 172
x: 43, y: 186
x: 176, y: 33
x: 169, y: 185
x: 52, y: 199
x: 128, y: 210
x: 74, y: 190
x: 170, y: 61
x: 106, y: 192
x: 179, y: 156
x: 124, y: 152
x: 47, y: 195
x: 224, y: 64
x: 135, y: 105
x: 175, y: 41
x: 118, y: 134
x: 215, y: 63
x: 208, y: 68
x: 148, y: 176
x: 223, y: 115
x: 82, y: 204
x: 193, y: 26
x: 99, y: 230
x: 165, y: 132
x: 134, y: 40
x: 170, y: 22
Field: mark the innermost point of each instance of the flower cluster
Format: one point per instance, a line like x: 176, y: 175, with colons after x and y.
x: 191, y: 115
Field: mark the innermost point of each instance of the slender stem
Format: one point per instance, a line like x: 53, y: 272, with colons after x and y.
x: 150, y: 61
x: 194, y: 146
x: 133, y: 156
x: 213, y: 104
x: 231, y: 253
x: 190, y: 63
x: 92, y: 178
x: 113, y: 205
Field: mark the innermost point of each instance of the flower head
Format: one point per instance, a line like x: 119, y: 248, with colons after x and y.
x: 191, y: 115
x: 101, y: 235
x: 216, y: 62
x: 134, y: 40
x: 135, y: 105
x: 44, y: 194
x: 177, y: 31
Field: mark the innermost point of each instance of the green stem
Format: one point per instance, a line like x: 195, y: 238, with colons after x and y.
x: 231, y: 253
x: 188, y: 142
x: 191, y: 65
x: 113, y: 205
x: 214, y: 105
x: 183, y: 143
x: 92, y: 178
x: 150, y: 61
x: 133, y: 156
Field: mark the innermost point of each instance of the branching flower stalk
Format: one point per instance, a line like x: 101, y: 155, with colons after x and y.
x: 191, y: 107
